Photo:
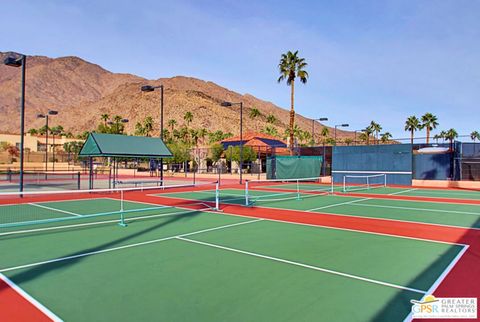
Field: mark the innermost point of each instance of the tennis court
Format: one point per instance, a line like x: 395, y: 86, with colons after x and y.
x: 179, y: 259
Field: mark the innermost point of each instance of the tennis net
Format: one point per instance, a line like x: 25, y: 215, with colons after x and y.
x: 272, y: 190
x: 364, y: 182
x: 52, y: 209
x: 62, y: 180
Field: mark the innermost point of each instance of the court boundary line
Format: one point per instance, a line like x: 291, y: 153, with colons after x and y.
x: 422, y: 209
x: 402, y: 191
x: 55, y: 209
x: 53, y: 201
x: 441, y: 277
x: 321, y: 269
x: 107, y: 250
x: 42, y: 308
x: 337, y: 204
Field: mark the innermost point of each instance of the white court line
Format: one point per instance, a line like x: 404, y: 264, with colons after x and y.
x: 403, y: 191
x: 54, y: 209
x: 325, y: 270
x: 30, y: 299
x: 337, y: 204
x: 441, y: 278
x: 422, y: 209
x: 106, y: 250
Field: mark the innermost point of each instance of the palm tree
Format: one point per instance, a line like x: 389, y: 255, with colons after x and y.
x: 429, y: 121
x: 194, y: 135
x: 451, y: 135
x: 368, y: 131
x: 188, y: 118
x: 475, y: 136
x: 172, y: 124
x: 270, y: 130
x: 363, y: 136
x: 324, y: 134
x: 412, y: 124
x: 291, y: 66
x: 271, y: 119
x: 139, y: 129
x: 104, y: 118
x: 386, y: 137
x: 348, y: 141
x: 442, y: 135
x: 254, y: 112
x: 33, y: 131
x: 375, y: 128
x: 437, y: 137
x: 148, y: 125
x: 202, y: 133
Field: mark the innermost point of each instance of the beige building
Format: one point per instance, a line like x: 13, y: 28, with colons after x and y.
x: 37, y: 143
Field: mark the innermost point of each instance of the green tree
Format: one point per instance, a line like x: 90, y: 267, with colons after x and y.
x: 218, y: 136
x: 324, y: 133
x: 180, y: 151
x: 83, y: 135
x: 348, y: 141
x: 429, y: 122
x: 437, y: 137
x: 188, y: 118
x: 33, y: 131
x: 451, y: 135
x: 412, y: 124
x: 290, y: 67
x: 475, y: 135
x: 386, y: 137
x: 254, y: 112
x: 139, y: 129
x: 216, y: 152
x: 376, y: 128
x: 148, y: 125
x: 270, y: 130
x: 172, y: 124
x: 271, y: 119
x: 104, y: 118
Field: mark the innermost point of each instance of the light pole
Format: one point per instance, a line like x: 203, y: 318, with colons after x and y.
x: 355, y: 140
x: 313, y: 127
x: 339, y: 125
x: 19, y: 60
x: 149, y: 88
x: 228, y: 104
x: 45, y: 116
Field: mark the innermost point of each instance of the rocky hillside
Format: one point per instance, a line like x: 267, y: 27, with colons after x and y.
x: 82, y: 91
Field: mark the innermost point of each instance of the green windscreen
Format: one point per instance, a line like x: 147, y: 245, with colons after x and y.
x: 292, y: 167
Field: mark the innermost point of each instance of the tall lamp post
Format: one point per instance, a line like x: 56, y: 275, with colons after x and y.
x: 355, y: 139
x: 19, y: 60
x: 339, y: 125
x: 313, y: 126
x: 45, y: 116
x: 149, y: 88
x: 228, y: 104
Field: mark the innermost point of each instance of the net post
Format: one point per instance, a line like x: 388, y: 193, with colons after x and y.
x: 247, y: 202
x: 385, y: 182
x: 298, y: 189
x: 122, y: 222
x: 344, y: 186
x: 368, y: 183
x: 217, y: 196
x: 78, y: 180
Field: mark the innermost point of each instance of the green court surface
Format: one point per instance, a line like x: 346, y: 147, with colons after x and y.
x: 177, y: 265
x: 460, y: 215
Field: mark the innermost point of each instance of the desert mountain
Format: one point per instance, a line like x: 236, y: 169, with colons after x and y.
x: 82, y: 91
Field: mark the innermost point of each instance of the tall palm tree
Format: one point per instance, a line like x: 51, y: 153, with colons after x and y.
x: 254, y: 112
x: 270, y: 130
x: 363, y: 136
x: 104, y: 118
x: 451, y: 135
x: 386, y: 137
x: 437, y: 137
x: 475, y: 136
x: 429, y: 122
x: 412, y: 124
x: 324, y: 134
x: 172, y: 124
x: 442, y: 135
x: 291, y: 66
x: 202, y: 133
x: 375, y: 128
x: 139, y: 129
x: 188, y: 118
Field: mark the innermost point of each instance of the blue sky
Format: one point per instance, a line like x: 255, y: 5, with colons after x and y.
x: 368, y: 60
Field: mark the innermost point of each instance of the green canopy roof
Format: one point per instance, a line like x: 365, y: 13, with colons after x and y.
x: 115, y: 145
